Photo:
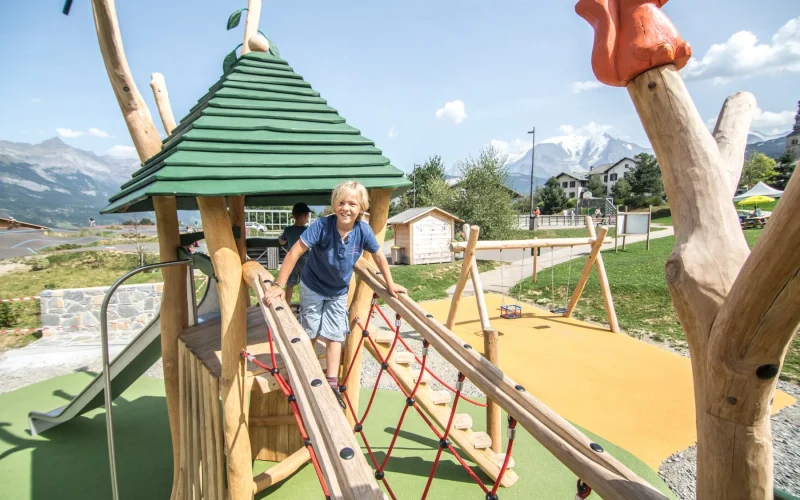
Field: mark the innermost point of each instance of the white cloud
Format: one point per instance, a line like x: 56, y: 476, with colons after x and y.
x: 453, y: 110
x: 591, y: 129
x: 742, y: 56
x: 767, y: 122
x: 96, y: 132
x: 71, y: 134
x: 121, y: 151
x: 393, y: 132
x: 68, y: 132
x: 578, y: 87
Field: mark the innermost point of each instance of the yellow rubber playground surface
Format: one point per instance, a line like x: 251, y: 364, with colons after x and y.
x: 634, y: 394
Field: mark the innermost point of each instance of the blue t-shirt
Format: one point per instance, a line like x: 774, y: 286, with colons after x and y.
x: 291, y: 234
x: 331, y: 261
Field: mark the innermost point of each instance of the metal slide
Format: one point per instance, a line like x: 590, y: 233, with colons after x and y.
x: 135, y: 359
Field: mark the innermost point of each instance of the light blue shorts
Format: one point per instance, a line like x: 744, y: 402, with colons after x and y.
x: 323, y: 316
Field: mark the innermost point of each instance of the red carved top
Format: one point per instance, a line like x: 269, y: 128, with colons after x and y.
x: 630, y: 38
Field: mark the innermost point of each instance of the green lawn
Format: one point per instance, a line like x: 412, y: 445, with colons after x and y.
x: 641, y: 297
x: 431, y: 281
x: 767, y: 207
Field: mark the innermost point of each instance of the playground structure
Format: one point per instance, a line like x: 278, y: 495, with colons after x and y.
x: 739, y: 312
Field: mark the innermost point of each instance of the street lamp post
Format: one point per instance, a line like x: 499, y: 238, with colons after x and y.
x: 533, y: 179
x: 414, y: 173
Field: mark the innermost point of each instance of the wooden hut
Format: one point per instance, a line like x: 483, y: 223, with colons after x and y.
x: 9, y: 222
x: 262, y: 136
x: 424, y: 235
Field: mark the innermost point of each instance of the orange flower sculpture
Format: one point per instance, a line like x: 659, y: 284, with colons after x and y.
x: 630, y: 38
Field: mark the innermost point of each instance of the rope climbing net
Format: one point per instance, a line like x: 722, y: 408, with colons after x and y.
x: 443, y: 434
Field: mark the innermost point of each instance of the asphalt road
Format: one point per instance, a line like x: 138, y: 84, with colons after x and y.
x: 26, y: 242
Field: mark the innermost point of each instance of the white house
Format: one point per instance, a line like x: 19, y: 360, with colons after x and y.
x: 610, y: 173
x: 573, y: 183
x: 425, y: 235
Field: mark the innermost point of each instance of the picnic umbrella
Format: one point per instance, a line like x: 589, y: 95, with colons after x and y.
x: 755, y: 200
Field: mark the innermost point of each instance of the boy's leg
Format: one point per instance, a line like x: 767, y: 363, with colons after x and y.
x: 311, y: 308
x: 334, y: 327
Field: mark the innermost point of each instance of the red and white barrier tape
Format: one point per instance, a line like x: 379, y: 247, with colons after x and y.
x: 20, y: 299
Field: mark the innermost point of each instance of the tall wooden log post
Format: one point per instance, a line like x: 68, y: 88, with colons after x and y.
x: 739, y: 310
x: 233, y: 298
x: 159, y: 86
x: 359, y: 307
x: 148, y: 143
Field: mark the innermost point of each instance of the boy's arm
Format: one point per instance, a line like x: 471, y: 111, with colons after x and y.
x: 383, y: 267
x: 276, y: 292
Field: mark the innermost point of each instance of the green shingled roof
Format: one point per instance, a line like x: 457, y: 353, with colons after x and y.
x: 262, y: 132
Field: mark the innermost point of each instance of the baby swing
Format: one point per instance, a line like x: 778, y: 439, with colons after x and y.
x: 511, y: 311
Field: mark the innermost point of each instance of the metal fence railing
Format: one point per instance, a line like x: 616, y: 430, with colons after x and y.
x: 268, y: 222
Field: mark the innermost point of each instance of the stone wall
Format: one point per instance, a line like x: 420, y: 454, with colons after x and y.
x: 75, y: 312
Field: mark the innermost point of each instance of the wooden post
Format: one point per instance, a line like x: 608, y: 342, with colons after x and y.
x: 236, y: 214
x: 491, y: 350
x: 469, y: 256
x: 251, y: 23
x: 605, y: 289
x: 147, y: 141
x: 616, y: 230
x: 649, y: 221
x: 625, y: 228
x: 477, y: 285
x: 535, y: 262
x: 379, y: 200
x: 233, y: 310
x: 587, y: 268
x: 159, y: 86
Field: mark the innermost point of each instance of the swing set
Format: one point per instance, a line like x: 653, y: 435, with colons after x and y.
x: 514, y: 310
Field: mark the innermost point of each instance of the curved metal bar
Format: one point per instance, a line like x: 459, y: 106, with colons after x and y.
x: 106, y: 362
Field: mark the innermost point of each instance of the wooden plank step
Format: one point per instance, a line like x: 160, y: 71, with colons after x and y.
x: 462, y: 422
x: 501, y: 457
x: 404, y: 358
x: 384, y: 337
x: 481, y: 440
x: 441, y: 398
x: 426, y: 376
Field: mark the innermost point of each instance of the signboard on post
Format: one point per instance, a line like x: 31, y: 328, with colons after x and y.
x: 633, y: 223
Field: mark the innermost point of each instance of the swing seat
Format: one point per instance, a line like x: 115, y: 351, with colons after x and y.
x: 559, y: 310
x: 511, y: 311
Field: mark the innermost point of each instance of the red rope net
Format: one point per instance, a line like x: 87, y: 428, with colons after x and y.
x: 441, y: 434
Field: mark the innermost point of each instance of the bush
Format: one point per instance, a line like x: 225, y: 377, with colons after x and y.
x: 655, y: 201
x: 146, y: 221
x: 39, y: 263
x: 662, y: 212
x: 572, y: 203
x: 8, y: 317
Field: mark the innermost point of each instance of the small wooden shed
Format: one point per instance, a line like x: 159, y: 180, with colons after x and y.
x: 424, y: 235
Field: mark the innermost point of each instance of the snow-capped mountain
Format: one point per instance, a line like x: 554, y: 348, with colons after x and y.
x: 755, y: 136
x: 52, y: 183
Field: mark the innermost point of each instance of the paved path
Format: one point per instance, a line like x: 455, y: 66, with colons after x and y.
x: 519, y: 266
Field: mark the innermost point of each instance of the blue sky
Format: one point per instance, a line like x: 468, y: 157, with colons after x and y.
x: 389, y: 66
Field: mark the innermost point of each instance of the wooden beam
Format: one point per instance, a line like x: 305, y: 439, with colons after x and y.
x: 233, y: 299
x: 469, y: 258
x: 535, y: 252
x: 379, y: 200
x: 491, y: 349
x: 159, y: 86
x: 272, y: 420
x: 587, y: 268
x: 147, y: 142
x: 347, y: 476
x: 281, y: 470
x: 251, y: 23
x: 236, y: 214
x: 534, y: 243
x: 607, y: 476
x: 605, y: 288
x: 731, y: 132
x: 477, y: 285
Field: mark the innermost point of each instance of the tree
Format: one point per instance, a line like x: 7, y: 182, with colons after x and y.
x: 645, y: 177
x: 596, y: 186
x: 757, y: 168
x: 483, y: 197
x: 523, y: 205
x: 553, y: 197
x: 783, y: 170
x: 430, y: 187
x: 621, y: 190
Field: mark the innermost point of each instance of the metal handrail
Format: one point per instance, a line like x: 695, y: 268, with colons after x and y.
x: 106, y: 363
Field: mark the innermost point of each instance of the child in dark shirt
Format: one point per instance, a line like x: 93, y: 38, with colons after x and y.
x: 290, y: 236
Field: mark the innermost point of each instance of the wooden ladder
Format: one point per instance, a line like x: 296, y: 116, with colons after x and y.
x: 476, y: 445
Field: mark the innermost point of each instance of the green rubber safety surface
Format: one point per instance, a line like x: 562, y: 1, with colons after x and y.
x: 71, y: 461
x: 260, y: 131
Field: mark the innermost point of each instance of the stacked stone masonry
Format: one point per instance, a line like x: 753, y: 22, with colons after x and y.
x: 75, y: 313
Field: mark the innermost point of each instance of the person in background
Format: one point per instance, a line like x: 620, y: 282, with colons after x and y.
x: 290, y: 236
x: 334, y: 244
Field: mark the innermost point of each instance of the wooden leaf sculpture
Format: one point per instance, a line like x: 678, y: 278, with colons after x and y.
x: 631, y: 37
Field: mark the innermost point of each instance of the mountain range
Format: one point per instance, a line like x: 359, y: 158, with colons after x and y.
x: 57, y: 185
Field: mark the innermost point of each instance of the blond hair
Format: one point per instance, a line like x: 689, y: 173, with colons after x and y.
x: 341, y: 191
